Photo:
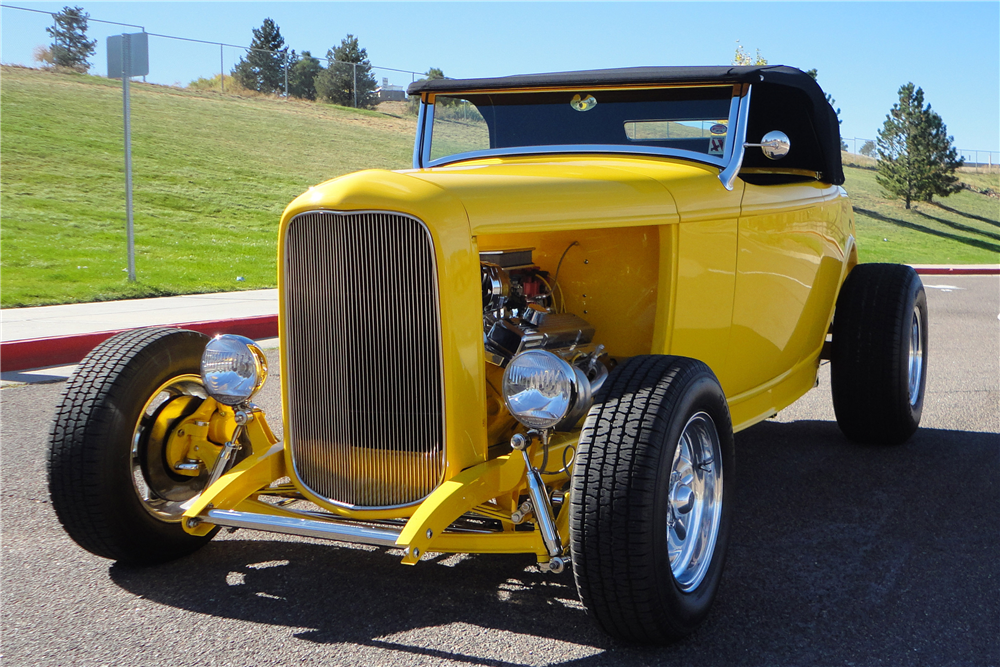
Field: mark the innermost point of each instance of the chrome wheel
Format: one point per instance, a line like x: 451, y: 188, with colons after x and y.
x: 164, y: 493
x: 695, y: 501
x: 916, y: 366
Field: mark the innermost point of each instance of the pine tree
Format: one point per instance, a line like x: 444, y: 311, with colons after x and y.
x: 70, y: 46
x: 337, y: 82
x: 302, y: 73
x: 263, y: 68
x: 915, y: 157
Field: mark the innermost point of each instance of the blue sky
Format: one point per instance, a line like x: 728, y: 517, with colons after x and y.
x: 863, y: 50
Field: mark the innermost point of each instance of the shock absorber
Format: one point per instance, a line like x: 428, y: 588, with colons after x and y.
x: 541, y: 503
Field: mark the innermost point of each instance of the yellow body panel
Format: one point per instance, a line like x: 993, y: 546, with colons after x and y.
x: 655, y: 253
x: 792, y: 252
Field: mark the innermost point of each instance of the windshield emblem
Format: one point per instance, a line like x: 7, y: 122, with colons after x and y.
x: 583, y: 103
x: 718, y: 128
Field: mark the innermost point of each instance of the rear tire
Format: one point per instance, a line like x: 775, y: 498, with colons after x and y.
x: 108, y: 479
x: 878, y: 366
x: 649, y: 505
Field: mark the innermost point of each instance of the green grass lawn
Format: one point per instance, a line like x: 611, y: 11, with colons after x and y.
x: 963, y: 228
x: 212, y: 174
x: 211, y: 177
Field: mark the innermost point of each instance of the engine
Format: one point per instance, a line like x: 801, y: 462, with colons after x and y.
x: 521, y: 312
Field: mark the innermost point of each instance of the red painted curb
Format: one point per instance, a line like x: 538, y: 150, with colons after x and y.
x: 19, y: 355
x: 958, y: 271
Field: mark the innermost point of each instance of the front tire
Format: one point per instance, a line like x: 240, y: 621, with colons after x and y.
x: 111, y: 485
x: 878, y: 368
x: 649, y: 508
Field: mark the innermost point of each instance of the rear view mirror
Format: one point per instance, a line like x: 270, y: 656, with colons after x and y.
x: 775, y: 145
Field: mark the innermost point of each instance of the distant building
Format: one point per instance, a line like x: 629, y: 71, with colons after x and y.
x: 389, y: 93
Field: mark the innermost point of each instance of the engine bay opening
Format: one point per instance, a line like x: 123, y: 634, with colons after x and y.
x: 583, y: 296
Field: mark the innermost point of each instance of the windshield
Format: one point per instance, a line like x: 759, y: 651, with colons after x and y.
x: 692, y: 119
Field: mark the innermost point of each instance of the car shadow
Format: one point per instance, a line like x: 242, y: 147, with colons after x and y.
x: 838, y: 553
x: 977, y: 243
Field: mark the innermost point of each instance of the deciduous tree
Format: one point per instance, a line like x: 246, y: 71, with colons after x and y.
x: 868, y: 148
x: 741, y: 57
x: 348, y: 68
x: 916, y: 159
x: 263, y: 67
x: 70, y: 46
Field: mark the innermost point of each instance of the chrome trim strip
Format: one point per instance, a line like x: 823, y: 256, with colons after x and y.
x: 581, y: 148
x: 427, y: 136
x: 368, y: 326
x: 728, y: 175
x: 418, y: 140
x: 425, y: 139
x: 734, y: 115
x: 328, y: 529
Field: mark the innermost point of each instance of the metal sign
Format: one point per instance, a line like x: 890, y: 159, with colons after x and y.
x: 128, y: 55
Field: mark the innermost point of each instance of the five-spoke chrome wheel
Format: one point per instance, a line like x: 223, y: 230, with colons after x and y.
x: 695, y: 499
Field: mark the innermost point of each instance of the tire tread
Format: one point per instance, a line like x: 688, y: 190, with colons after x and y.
x: 612, y: 488
x: 78, y: 479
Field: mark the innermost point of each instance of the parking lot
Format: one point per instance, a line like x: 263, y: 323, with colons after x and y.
x: 840, y: 555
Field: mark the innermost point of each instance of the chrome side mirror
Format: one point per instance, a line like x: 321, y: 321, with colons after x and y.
x: 775, y: 145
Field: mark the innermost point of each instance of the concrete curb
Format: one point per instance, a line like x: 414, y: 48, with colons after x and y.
x: 19, y: 355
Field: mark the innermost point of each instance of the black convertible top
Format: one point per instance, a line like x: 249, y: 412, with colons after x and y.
x: 625, y: 75
x: 777, y: 87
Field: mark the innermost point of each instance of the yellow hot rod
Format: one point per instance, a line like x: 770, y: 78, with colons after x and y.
x: 540, y: 339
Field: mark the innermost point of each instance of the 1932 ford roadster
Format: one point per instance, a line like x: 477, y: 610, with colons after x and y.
x: 538, y: 340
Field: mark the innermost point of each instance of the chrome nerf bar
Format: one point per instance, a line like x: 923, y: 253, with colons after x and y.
x: 329, y: 529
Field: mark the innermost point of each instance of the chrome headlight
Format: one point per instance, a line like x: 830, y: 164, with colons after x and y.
x: 233, y: 369
x: 542, y: 391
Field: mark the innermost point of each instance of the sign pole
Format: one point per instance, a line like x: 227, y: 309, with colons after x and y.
x: 130, y: 229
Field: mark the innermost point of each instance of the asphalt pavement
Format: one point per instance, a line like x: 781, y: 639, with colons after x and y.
x: 840, y: 555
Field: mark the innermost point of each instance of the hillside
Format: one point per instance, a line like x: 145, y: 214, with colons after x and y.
x: 211, y: 177
x: 212, y: 174
x: 961, y: 229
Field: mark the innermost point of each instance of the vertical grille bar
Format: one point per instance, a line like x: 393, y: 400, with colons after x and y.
x: 363, y: 345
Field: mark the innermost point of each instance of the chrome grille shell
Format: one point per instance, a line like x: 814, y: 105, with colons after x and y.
x: 362, y: 339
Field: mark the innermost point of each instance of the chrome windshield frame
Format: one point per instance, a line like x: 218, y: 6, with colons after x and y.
x: 418, y: 141
x: 728, y: 163
x: 566, y: 149
x: 742, y: 112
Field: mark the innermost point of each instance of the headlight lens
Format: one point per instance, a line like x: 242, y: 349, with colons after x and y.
x: 539, y: 388
x: 233, y: 368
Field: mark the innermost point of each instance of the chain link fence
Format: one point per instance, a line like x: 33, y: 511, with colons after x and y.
x: 979, y: 161
x: 209, y: 65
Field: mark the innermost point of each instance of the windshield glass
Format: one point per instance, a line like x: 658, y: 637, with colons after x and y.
x: 691, y: 119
